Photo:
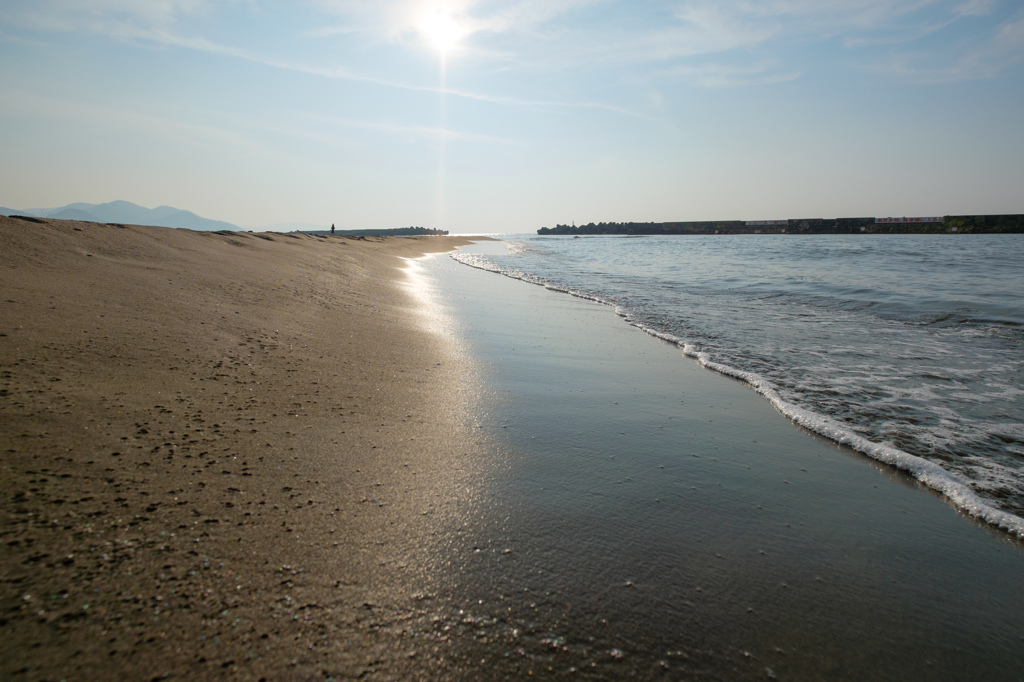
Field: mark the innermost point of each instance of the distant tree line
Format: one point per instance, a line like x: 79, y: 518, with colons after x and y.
x: 1009, y: 223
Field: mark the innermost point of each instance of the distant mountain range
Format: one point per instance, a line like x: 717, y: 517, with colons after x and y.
x: 127, y: 213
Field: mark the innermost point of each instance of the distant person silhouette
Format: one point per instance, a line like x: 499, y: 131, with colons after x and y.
x: 332, y: 229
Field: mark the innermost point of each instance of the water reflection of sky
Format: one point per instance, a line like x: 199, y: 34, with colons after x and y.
x: 909, y: 340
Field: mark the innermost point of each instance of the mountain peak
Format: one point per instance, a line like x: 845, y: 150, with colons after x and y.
x: 121, y: 211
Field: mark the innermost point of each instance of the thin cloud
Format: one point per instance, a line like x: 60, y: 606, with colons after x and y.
x: 994, y: 54
x: 527, y: 16
x: 895, y: 33
x: 398, y: 20
x: 101, y: 15
x: 907, y: 35
x: 975, y: 8
x: 36, y: 106
x: 692, y: 30
x: 331, y: 31
x: 873, y: 23
x: 576, y: 36
x: 425, y: 132
x: 827, y: 18
x: 163, y: 33
x: 341, y: 72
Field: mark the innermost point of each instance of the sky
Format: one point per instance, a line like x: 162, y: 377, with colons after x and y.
x: 481, y: 117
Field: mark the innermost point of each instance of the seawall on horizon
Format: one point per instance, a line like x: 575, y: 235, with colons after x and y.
x: 1000, y: 223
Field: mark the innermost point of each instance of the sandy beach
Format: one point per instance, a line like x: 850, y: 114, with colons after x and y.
x: 219, y: 452
x: 272, y: 456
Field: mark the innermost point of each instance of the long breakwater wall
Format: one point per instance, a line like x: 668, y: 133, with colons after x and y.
x: 1009, y: 223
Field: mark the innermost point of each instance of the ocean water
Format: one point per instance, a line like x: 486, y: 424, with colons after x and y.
x: 908, y: 348
x: 632, y: 514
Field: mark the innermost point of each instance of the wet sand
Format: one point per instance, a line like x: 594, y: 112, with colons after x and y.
x: 221, y: 455
x: 650, y: 518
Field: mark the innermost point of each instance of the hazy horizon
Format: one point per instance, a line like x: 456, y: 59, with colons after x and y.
x: 505, y: 117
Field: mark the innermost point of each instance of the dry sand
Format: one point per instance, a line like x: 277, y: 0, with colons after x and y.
x: 222, y: 454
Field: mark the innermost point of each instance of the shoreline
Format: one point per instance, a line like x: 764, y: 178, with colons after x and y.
x: 220, y: 453
x: 653, y: 518
x: 944, y: 483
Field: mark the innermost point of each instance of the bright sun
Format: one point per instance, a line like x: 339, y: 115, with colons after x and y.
x: 441, y: 30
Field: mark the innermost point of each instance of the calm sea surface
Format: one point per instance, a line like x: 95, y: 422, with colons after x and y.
x: 909, y: 348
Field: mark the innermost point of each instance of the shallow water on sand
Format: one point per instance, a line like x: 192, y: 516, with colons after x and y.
x: 649, y: 517
x: 909, y: 348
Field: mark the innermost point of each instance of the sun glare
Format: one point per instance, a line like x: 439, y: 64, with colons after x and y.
x: 441, y: 30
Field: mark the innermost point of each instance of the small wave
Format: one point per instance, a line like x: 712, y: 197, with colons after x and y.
x: 949, y: 484
x: 928, y: 473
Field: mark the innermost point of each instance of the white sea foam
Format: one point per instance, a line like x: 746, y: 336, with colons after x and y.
x: 929, y: 473
x: 956, y: 488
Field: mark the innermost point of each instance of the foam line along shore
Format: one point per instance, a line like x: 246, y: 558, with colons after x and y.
x: 648, y: 517
x: 904, y: 347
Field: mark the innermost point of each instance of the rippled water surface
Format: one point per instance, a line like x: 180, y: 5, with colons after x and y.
x: 908, y: 347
